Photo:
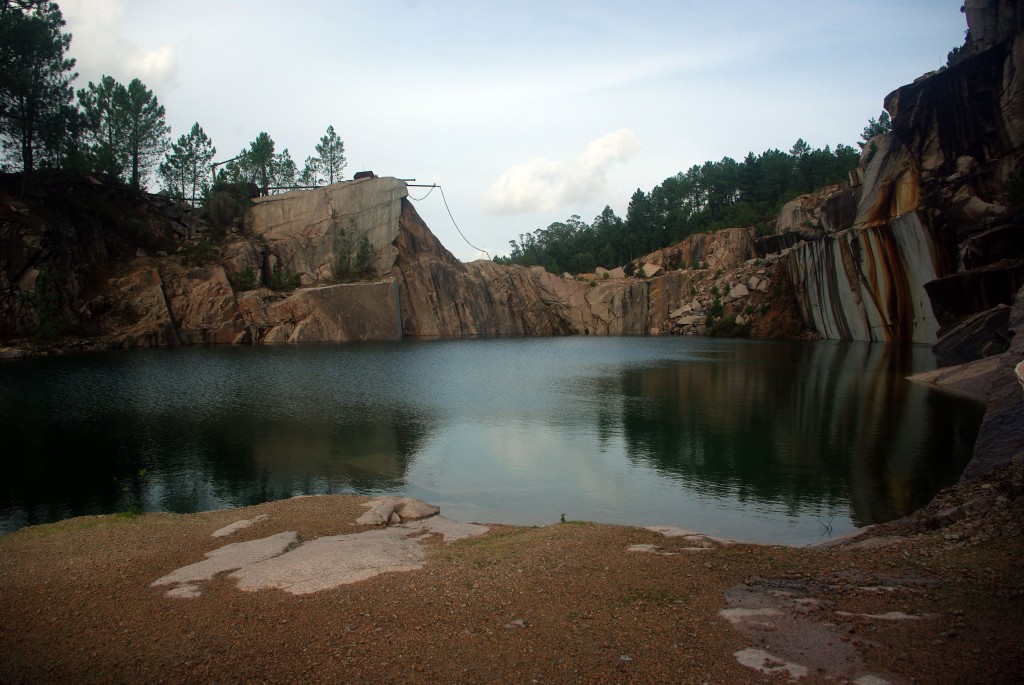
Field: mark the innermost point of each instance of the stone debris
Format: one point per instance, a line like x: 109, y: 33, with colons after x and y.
x: 515, y: 624
x: 783, y: 618
x: 233, y: 528
x: 644, y: 548
x: 762, y: 661
x: 887, y: 616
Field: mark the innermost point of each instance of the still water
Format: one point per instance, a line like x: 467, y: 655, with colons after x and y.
x: 763, y: 441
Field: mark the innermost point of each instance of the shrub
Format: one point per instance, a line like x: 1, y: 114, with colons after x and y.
x: 194, y: 254
x: 283, y: 278
x: 366, y: 255
x: 246, y: 279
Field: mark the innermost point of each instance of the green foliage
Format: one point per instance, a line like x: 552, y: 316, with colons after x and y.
x: 282, y: 279
x: 101, y: 135
x: 346, y: 265
x: 38, y: 122
x: 366, y: 255
x: 224, y: 205
x: 43, y: 301
x: 726, y: 326
x: 331, y: 159
x: 312, y: 173
x: 716, y: 309
x: 706, y: 197
x: 194, y: 254
x: 144, y: 128
x: 954, y: 56
x: 185, y: 168
x: 876, y: 127
x: 246, y: 279
x: 342, y: 249
x: 261, y: 156
x: 715, y: 291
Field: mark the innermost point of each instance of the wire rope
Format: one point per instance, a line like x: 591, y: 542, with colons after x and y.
x: 454, y: 223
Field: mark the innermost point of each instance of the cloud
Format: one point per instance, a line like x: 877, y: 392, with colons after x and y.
x: 547, y: 185
x: 96, y: 27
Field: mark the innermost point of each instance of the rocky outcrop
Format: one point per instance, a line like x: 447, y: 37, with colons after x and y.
x: 825, y: 211
x: 867, y: 283
x: 723, y: 249
x: 309, y: 231
x: 332, y: 313
x: 893, y: 269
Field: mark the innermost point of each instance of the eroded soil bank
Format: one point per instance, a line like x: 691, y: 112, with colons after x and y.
x: 936, y: 599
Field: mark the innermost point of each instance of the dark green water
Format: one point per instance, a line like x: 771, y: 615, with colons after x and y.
x: 759, y: 441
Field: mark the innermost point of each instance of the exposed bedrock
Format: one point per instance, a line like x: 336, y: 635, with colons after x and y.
x: 868, y: 283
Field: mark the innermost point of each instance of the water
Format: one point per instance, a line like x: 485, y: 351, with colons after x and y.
x: 774, y: 442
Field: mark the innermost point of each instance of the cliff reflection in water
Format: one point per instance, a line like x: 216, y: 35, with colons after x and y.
x: 190, y: 430
x: 818, y: 424
x: 759, y: 441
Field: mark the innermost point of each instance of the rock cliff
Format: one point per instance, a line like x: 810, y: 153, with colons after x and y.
x: 910, y: 249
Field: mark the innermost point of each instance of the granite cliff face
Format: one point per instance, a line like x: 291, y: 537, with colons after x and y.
x: 897, y: 255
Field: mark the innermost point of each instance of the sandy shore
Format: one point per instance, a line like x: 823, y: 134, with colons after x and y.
x: 936, y: 599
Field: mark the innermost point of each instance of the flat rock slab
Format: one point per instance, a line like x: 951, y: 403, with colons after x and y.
x: 276, y: 562
x: 228, y: 558
x: 336, y: 560
x: 233, y: 528
x: 448, y: 529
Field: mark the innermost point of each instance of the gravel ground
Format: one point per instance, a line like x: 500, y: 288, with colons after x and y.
x: 557, y: 604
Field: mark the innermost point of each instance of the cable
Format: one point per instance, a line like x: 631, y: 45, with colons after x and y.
x: 478, y: 249
x: 421, y: 199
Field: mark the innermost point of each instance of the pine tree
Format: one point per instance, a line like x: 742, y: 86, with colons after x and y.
x: 187, y: 164
x: 37, y: 118
x: 142, y: 121
x: 102, y: 135
x: 331, y: 151
x: 261, y: 157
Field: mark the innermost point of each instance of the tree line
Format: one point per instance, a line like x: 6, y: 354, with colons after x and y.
x: 116, y: 129
x: 706, y: 197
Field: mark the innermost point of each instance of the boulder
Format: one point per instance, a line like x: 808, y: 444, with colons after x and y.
x: 826, y: 210
x: 738, y: 291
x: 649, y: 270
x: 382, y: 509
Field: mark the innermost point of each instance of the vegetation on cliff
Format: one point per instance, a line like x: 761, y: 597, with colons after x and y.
x: 115, y: 129
x: 706, y: 197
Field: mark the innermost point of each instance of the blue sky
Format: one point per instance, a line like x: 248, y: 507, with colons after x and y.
x: 525, y: 112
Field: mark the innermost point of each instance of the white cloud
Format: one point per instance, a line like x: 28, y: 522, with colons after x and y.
x: 96, y: 28
x: 546, y: 185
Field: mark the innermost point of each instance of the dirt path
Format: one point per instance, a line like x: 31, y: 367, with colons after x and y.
x: 565, y: 603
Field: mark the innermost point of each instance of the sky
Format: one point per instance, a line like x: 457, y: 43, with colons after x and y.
x: 525, y: 112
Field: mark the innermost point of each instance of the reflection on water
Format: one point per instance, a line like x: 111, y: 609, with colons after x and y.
x: 764, y: 441
x: 825, y: 423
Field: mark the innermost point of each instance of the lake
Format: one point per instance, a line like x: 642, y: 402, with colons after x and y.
x: 764, y: 441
